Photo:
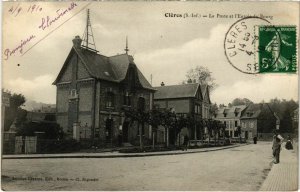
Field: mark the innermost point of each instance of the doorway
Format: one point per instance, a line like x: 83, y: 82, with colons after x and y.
x: 125, y: 131
x: 108, y: 130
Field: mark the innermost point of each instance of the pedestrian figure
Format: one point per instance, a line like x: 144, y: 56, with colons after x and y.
x: 277, y: 141
x: 289, y: 144
x: 254, y: 139
x: 185, y: 142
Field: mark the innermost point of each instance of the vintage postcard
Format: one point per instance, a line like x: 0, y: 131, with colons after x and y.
x: 149, y: 96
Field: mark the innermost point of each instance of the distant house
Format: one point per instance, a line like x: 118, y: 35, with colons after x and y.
x: 258, y: 119
x: 93, y: 89
x: 186, y: 99
x: 230, y: 117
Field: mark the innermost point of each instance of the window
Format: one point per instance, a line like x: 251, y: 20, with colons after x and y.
x: 141, y: 104
x: 73, y: 94
x: 127, y: 99
x: 110, y: 99
x: 235, y: 123
x: 197, y: 109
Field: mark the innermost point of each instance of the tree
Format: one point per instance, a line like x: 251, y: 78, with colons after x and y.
x: 214, y: 109
x: 14, y: 111
x: 284, y: 110
x: 201, y: 75
x: 240, y: 101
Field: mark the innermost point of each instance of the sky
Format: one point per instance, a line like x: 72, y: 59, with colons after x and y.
x: 166, y: 47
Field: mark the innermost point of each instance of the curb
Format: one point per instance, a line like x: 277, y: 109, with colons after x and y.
x: 115, y: 156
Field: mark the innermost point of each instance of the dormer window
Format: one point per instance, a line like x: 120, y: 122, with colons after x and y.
x: 249, y: 114
x: 225, y: 114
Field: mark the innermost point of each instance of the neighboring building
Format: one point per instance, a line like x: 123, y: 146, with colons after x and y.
x: 37, y: 117
x: 230, y: 117
x: 186, y: 99
x: 258, y: 119
x: 92, y: 90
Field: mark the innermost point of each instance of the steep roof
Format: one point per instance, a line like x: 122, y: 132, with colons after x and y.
x: 106, y: 68
x: 205, y: 92
x: 230, y: 112
x: 176, y: 91
x: 254, y: 110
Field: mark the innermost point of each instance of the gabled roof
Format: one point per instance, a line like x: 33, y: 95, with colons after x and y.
x: 176, y: 91
x: 254, y: 110
x: 105, y: 68
x: 205, y: 92
x: 231, y: 112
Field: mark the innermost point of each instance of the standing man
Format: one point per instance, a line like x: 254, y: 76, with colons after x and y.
x: 277, y: 141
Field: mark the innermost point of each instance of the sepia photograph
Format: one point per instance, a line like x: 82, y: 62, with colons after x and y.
x: 150, y: 96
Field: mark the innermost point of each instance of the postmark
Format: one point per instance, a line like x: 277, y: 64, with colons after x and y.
x: 277, y: 49
x: 241, y: 44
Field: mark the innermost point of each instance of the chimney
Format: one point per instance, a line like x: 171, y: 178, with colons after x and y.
x: 77, y: 42
x: 162, y: 84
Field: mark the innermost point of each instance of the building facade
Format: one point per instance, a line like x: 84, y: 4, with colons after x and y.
x: 230, y: 117
x: 186, y: 99
x: 257, y: 120
x: 93, y: 90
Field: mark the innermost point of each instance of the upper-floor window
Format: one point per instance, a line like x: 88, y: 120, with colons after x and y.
x: 197, y: 109
x: 141, y: 104
x: 127, y: 99
x: 110, y: 99
x: 73, y: 94
x: 235, y: 123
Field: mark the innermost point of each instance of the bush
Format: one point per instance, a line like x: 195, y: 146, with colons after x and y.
x: 51, y: 130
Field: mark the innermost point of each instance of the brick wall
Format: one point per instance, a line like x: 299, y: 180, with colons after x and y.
x: 85, y: 97
x: 62, y: 99
x: 81, y: 71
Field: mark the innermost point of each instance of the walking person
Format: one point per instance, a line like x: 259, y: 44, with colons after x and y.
x: 185, y: 142
x: 255, y: 139
x: 277, y: 141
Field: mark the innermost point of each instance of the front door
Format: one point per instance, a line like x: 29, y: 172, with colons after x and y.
x: 246, y: 134
x: 125, y: 131
x: 109, y: 130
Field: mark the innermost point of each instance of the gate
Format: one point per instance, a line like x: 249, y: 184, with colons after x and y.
x: 19, y: 144
x: 25, y: 145
x: 30, y: 144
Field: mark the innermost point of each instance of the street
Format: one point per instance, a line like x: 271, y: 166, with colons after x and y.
x: 241, y: 168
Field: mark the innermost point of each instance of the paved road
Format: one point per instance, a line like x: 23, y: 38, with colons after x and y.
x: 241, y: 168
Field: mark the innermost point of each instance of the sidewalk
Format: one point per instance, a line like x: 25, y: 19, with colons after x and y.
x: 115, y: 154
x: 283, y: 176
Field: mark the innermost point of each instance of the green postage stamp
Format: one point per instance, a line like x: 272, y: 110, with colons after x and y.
x: 277, y: 49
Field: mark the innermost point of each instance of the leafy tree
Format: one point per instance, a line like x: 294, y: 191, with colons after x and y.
x: 240, y: 101
x: 214, y: 108
x: 201, y: 75
x: 14, y: 111
x: 51, y: 130
x: 284, y: 109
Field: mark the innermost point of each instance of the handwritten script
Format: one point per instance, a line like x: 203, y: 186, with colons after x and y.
x: 19, y: 48
x: 46, y: 22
